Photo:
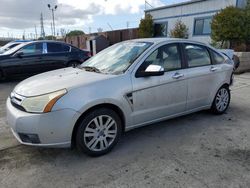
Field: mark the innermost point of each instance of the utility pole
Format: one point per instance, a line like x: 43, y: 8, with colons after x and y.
x: 35, y: 33
x: 51, y: 25
x: 127, y: 24
x: 53, y: 17
x: 42, y: 27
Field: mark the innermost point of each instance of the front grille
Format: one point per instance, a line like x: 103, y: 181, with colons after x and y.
x: 16, y: 101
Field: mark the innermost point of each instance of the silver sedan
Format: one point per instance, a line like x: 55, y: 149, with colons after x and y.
x: 128, y: 85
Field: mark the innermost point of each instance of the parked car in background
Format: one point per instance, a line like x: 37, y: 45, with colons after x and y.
x: 11, y: 44
x: 127, y: 85
x: 39, y: 56
x: 230, y: 54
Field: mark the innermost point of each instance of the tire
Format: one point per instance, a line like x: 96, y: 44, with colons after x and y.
x: 221, y: 100
x: 73, y: 64
x: 2, y: 77
x: 99, y: 132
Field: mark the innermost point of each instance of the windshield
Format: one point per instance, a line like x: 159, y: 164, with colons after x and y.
x: 14, y: 49
x: 117, y: 58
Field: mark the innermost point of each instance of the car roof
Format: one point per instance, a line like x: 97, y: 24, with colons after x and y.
x: 165, y: 39
x: 41, y: 41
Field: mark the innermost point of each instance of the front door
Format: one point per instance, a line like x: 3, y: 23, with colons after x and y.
x: 156, y: 97
x: 30, y: 62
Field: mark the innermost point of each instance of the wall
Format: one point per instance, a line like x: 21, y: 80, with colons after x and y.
x: 112, y: 36
x: 187, y: 12
x: 78, y: 41
x: 244, y: 62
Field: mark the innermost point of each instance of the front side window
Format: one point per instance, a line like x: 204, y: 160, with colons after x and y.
x: 197, y: 55
x: 161, y: 29
x: 167, y: 56
x: 32, y: 49
x: 202, y: 26
x: 117, y: 58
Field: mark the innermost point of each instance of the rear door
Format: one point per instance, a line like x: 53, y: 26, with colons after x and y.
x: 57, y: 55
x: 201, y: 75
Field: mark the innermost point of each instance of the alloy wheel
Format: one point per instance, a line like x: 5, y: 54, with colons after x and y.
x: 222, y: 99
x: 100, y: 133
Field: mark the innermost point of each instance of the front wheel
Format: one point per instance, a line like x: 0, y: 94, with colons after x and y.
x: 221, y: 100
x: 1, y: 75
x: 73, y: 64
x: 99, y: 132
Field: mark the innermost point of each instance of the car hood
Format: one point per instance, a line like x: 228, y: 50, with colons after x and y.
x: 48, y: 82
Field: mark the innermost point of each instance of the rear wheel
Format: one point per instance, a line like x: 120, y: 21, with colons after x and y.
x: 221, y: 100
x: 99, y: 132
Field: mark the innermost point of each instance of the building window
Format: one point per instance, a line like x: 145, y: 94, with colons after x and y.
x: 161, y: 29
x: 202, y: 26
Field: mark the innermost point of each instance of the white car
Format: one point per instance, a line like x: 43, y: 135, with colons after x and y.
x: 128, y: 85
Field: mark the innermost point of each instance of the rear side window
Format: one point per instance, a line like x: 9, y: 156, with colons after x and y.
x: 197, y: 55
x: 57, y: 47
x: 75, y: 50
x: 218, y: 59
x: 65, y: 48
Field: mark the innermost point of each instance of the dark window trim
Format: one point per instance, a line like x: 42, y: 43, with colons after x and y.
x: 186, y: 59
x: 201, y: 18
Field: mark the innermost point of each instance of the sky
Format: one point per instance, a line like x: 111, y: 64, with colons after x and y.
x: 18, y: 17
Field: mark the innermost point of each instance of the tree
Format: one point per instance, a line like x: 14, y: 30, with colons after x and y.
x: 75, y: 33
x: 229, y: 25
x: 146, y: 27
x: 180, y: 30
x: 50, y: 37
x: 247, y: 21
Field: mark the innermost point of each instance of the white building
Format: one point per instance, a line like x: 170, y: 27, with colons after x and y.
x: 195, y: 14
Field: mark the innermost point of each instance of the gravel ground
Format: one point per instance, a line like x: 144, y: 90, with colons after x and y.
x: 197, y: 150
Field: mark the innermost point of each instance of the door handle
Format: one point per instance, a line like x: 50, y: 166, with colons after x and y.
x: 213, y: 69
x: 177, y: 75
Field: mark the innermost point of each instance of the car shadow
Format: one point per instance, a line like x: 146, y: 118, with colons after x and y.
x: 138, y: 141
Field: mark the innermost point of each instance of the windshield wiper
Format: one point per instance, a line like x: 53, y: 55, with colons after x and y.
x: 91, y: 69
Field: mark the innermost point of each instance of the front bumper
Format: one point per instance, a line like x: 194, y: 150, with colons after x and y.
x: 53, y: 129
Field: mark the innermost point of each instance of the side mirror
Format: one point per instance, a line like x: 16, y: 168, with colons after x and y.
x: 19, y: 54
x: 151, y: 70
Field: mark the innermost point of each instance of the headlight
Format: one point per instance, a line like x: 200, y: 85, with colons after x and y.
x: 42, y: 103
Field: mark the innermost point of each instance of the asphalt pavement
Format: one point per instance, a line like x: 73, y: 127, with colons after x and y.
x: 197, y: 150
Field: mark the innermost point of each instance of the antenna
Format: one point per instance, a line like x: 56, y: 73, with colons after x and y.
x: 147, y: 3
x: 110, y: 26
